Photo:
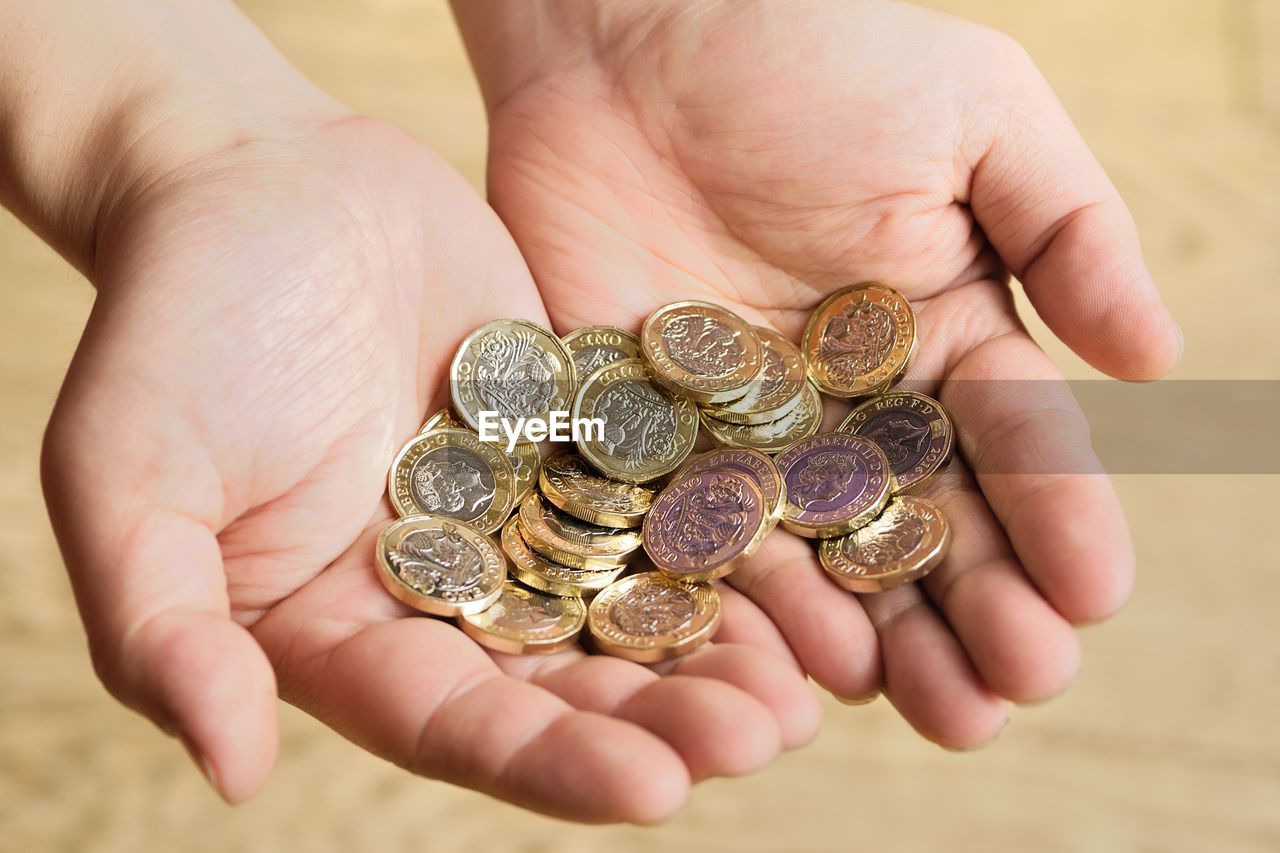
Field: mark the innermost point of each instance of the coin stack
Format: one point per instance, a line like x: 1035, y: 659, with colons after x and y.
x: 513, y: 546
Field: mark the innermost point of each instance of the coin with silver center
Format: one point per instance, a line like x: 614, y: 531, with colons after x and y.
x: 523, y: 622
x: 702, y: 351
x: 704, y: 525
x: 439, y: 565
x: 835, y: 484
x: 525, y: 459
x: 860, y: 340
x: 649, y: 617
x: 775, y: 392
x: 592, y: 347
x: 515, y: 368
x: 559, y: 536
x: 913, y: 431
x: 647, y: 431
x: 451, y: 472
x: 906, y: 542
x: 802, y: 421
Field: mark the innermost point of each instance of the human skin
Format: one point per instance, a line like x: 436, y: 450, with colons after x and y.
x: 271, y: 272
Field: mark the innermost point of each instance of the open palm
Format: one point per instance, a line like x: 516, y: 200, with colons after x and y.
x: 764, y: 154
x: 273, y: 322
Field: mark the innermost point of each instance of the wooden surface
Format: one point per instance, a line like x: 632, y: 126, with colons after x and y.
x: 1168, y: 742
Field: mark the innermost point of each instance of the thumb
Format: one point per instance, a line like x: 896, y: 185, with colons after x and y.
x: 1061, y: 227
x: 135, y: 501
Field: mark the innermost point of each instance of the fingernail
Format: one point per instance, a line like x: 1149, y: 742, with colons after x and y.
x: 977, y: 746
x: 858, y: 700
x: 205, y: 766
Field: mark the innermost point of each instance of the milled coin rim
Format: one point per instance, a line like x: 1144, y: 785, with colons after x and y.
x: 504, y: 477
x: 703, y: 624
x: 570, y: 382
x: 756, y: 408
x: 882, y: 378
x: 579, y: 507
x: 621, y: 547
x: 771, y: 438
x: 686, y: 423
x: 833, y: 522
x: 907, y: 485
x: 702, y: 389
x: 512, y: 644
x: 726, y: 565
x: 538, y: 572
x: 411, y: 597
x: 831, y: 555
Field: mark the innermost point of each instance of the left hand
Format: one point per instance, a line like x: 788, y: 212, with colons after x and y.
x: 762, y: 155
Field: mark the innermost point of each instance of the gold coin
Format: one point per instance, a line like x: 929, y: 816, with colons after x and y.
x: 756, y: 465
x: 649, y: 617
x: 536, y: 571
x: 514, y: 368
x: 525, y: 622
x: 559, y: 536
x: 904, y: 544
x: 860, y: 340
x: 704, y: 525
x: 452, y: 472
x: 573, y: 487
x: 835, y: 484
x: 443, y: 419
x: 913, y: 431
x: 703, y: 351
x: 525, y: 459
x: 439, y: 565
x: 778, y: 389
x: 801, y: 422
x: 592, y: 347
x: 648, y: 431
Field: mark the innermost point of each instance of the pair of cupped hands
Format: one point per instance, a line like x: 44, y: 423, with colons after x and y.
x: 276, y: 317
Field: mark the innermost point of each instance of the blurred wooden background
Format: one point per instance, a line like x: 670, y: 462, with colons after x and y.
x: 1169, y: 740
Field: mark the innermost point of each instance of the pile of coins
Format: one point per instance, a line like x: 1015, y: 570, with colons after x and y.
x: 620, y: 539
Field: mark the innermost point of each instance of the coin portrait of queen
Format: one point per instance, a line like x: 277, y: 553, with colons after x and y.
x: 451, y: 486
x: 858, y: 340
x: 702, y: 345
x: 822, y: 478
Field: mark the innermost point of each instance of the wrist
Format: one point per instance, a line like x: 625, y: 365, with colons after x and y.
x: 101, y: 97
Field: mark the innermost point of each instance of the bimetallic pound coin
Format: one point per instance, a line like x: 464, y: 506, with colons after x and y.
x: 536, y: 571
x: 452, y: 472
x: 592, y: 347
x: 754, y: 464
x: 525, y: 459
x: 704, y: 524
x: 835, y: 484
x: 904, y: 544
x: 860, y: 340
x: 515, y: 368
x: 439, y: 565
x: 648, y: 431
x: 801, y: 422
x: 775, y: 392
x: 525, y: 622
x: 913, y: 431
x: 559, y: 536
x: 701, y: 350
x: 569, y: 483
x: 649, y: 617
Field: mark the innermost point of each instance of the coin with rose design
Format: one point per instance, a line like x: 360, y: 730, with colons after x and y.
x: 702, y: 351
x: 649, y: 617
x: 756, y: 465
x: 703, y: 525
x: 906, y: 542
x: 860, y: 340
x: 439, y: 565
x: 526, y: 622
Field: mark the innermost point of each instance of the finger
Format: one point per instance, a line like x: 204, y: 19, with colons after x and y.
x: 717, y: 728
x: 746, y: 624
x: 420, y: 693
x: 1062, y: 228
x: 824, y: 625
x: 1028, y: 443
x: 927, y: 675
x: 134, y: 503
x: 1021, y: 647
